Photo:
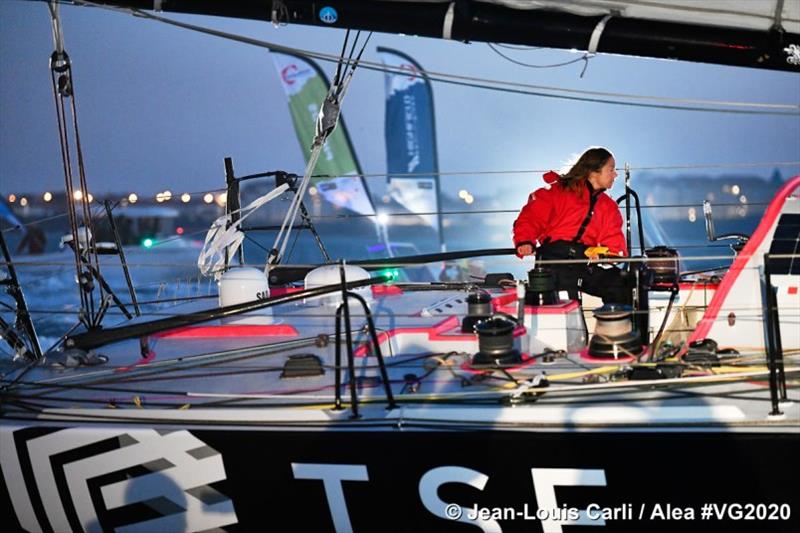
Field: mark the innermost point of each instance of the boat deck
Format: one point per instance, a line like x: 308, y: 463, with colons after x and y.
x: 279, y: 368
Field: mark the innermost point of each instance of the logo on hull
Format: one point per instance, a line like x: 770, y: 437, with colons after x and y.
x: 79, y: 479
x: 328, y: 15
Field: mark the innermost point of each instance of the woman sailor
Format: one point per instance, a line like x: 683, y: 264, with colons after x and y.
x: 572, y: 219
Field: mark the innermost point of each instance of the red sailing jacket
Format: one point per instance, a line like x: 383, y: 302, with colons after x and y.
x: 557, y: 213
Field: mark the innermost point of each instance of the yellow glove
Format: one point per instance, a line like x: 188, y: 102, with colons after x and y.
x: 593, y: 252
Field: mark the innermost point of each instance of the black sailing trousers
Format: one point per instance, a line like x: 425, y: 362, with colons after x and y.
x: 610, y: 284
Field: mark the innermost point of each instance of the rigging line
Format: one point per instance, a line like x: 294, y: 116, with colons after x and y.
x: 190, y: 361
x: 48, y: 389
x: 539, y: 171
x: 527, y: 172
x: 327, y: 120
x: 611, y: 102
x: 530, y: 65
x: 517, y: 46
x: 502, y: 392
x: 502, y: 211
x: 472, y: 173
x: 337, y: 76
x: 289, y: 313
x: 471, y: 81
x: 45, y: 219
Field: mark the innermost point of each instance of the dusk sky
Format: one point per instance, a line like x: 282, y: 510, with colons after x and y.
x: 160, y: 107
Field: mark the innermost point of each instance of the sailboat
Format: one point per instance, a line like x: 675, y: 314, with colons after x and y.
x: 331, y: 397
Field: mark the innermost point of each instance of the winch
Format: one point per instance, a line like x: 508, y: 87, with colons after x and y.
x: 541, y: 287
x: 479, y: 307
x: 496, y: 343
x: 663, y: 264
x: 614, y: 336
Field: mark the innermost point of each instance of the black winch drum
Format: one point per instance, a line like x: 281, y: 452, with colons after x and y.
x: 541, y: 287
x: 665, y: 264
x: 479, y: 307
x: 496, y: 342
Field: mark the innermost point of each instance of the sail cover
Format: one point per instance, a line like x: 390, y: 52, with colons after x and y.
x: 744, y: 14
x: 744, y: 33
x: 411, y: 159
x: 305, y: 86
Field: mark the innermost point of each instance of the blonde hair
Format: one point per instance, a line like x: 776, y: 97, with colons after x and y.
x: 592, y: 160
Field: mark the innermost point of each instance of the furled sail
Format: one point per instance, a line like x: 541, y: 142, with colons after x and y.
x: 411, y: 158
x: 306, y: 87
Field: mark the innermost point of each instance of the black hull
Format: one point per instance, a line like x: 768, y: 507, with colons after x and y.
x: 656, y: 480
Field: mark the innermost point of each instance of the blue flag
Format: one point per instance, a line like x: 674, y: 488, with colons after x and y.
x: 411, y: 138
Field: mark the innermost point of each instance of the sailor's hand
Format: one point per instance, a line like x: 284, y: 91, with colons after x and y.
x: 524, y: 249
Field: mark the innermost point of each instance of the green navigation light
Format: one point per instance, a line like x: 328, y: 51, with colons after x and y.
x: 393, y: 273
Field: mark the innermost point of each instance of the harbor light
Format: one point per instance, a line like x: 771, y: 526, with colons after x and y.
x: 208, y: 198
x: 735, y: 190
x: 23, y: 201
x: 133, y: 197
x: 383, y: 219
x: 468, y: 199
x: 312, y: 191
x: 167, y: 195
x: 186, y: 197
x: 148, y: 242
x: 47, y: 197
x: 692, y: 214
x: 222, y: 199
x: 77, y: 195
x: 12, y: 198
x: 743, y: 199
x: 90, y: 198
x: 463, y: 193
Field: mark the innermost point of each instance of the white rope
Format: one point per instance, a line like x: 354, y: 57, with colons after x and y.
x: 594, y: 41
x: 447, y: 25
x: 225, y: 235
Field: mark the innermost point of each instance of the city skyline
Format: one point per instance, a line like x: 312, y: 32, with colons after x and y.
x: 160, y: 107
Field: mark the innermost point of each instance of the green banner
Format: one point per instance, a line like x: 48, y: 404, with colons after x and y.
x: 306, y: 87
